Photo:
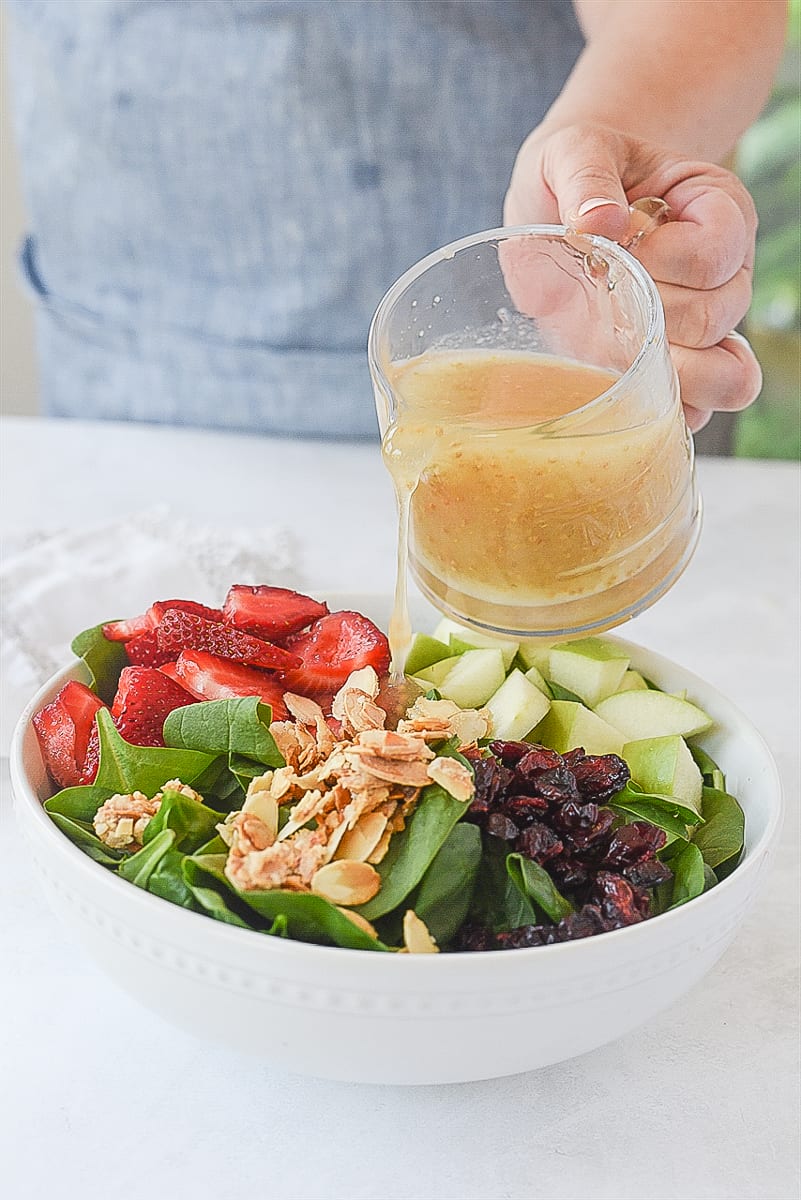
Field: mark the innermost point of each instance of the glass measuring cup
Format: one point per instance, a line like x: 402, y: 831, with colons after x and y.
x: 532, y: 424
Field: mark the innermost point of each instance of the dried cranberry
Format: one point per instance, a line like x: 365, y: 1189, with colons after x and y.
x: 475, y: 937
x: 557, y: 786
x: 536, y: 760
x: 571, y: 874
x: 500, y: 826
x: 600, y: 776
x: 525, y: 809
x: 575, y: 815
x: 596, y: 837
x: 634, y: 843
x: 510, y: 753
x: 492, y: 782
x: 539, y: 843
x: 648, y: 874
x: 584, y: 923
x: 616, y: 898
x: 525, y: 936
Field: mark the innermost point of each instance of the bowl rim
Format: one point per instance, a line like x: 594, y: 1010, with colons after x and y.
x: 295, y: 950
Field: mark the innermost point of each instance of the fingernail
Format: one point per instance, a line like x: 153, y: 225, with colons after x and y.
x: 596, y: 202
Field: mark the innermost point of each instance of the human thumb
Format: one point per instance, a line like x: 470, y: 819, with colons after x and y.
x: 580, y: 166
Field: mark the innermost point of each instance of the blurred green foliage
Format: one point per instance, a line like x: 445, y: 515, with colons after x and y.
x: 769, y: 162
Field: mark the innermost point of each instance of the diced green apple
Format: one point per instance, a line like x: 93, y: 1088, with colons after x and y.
x: 591, y: 668
x: 475, y: 676
x: 535, y: 653
x: 424, y: 651
x: 461, y: 638
x: 534, y: 676
x: 652, y: 714
x: 516, y: 707
x: 569, y: 724
x: 433, y: 676
x: 632, y: 681
x: 665, y: 765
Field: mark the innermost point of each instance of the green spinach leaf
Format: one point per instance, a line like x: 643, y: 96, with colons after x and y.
x: 498, y: 903
x: 214, y: 898
x: 536, y: 884
x: 193, y: 823
x: 443, y: 897
x: 673, y: 826
x: 85, y: 839
x: 125, y: 768
x: 238, y: 727
x: 722, y: 838
x: 632, y: 794
x: 77, y: 803
x: 689, y: 879
x: 412, y: 851
x: 562, y: 693
x: 104, y: 660
x: 158, y: 868
x: 713, y: 776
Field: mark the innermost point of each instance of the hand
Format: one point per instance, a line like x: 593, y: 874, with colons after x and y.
x: 702, y: 260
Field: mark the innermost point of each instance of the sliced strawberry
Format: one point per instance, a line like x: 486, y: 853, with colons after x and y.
x: 270, y: 612
x: 144, y: 651
x: 179, y: 631
x: 212, y: 678
x: 336, y: 645
x: 64, y: 728
x: 123, y: 631
x: 170, y: 669
x: 145, y: 696
x: 92, y: 760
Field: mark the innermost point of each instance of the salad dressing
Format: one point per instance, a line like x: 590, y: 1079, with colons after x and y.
x: 523, y: 506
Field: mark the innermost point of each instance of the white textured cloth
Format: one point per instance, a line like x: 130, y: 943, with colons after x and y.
x: 55, y: 583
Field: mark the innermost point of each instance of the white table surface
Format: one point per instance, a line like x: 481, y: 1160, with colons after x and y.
x: 100, y: 1097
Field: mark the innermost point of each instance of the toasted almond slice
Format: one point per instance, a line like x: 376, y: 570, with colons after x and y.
x: 360, y: 842
x: 408, y: 773
x: 416, y: 937
x: 346, y: 882
x: 388, y: 744
x: 453, y: 776
x: 307, y: 711
x: 263, y: 805
x: 359, y: 921
x: 381, y: 848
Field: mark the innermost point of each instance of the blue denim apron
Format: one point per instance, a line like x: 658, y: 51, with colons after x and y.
x: 220, y: 191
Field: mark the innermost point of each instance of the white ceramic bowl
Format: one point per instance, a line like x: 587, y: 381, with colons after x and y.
x: 383, y: 1018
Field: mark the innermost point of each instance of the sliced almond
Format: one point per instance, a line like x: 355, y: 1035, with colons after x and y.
x: 381, y: 847
x: 360, y: 842
x: 408, y: 773
x: 263, y: 805
x: 416, y: 937
x: 359, y: 921
x: 346, y: 882
x: 303, y: 709
x: 454, y: 777
x: 387, y: 744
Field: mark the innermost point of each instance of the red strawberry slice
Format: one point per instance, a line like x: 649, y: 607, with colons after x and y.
x: 144, y: 651
x: 145, y: 697
x: 92, y: 760
x: 270, y: 612
x: 170, y: 669
x: 64, y: 728
x: 212, y: 678
x: 123, y: 631
x: 179, y: 631
x: 336, y: 645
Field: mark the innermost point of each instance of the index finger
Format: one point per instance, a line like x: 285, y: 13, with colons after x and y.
x: 704, y: 246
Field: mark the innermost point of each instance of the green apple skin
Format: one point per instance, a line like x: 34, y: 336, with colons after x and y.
x: 632, y: 681
x: 460, y: 639
x: 591, y: 668
x: 569, y: 724
x: 535, y: 653
x: 665, y: 765
x: 539, y: 681
x: 516, y: 707
x: 652, y: 714
x: 475, y: 676
x: 433, y: 676
x: 424, y: 652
